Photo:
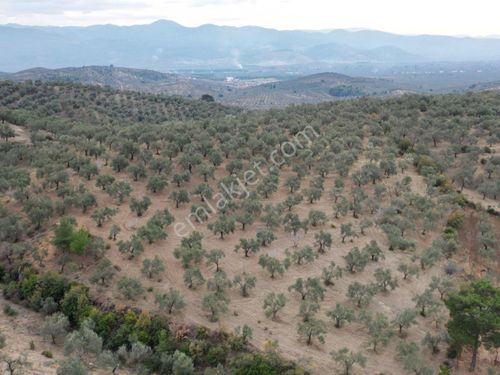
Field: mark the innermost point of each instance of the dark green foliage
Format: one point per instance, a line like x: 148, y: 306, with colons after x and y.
x: 475, y: 316
x: 343, y: 91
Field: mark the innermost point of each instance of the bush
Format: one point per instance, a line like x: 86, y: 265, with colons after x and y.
x: 250, y: 364
x: 443, y: 183
x: 424, y: 162
x: 453, y: 350
x: 76, y: 304
x: 405, y: 145
x: 80, y: 241
x: 11, y: 291
x: 455, y: 219
x: 344, y: 91
x: 449, y: 233
x: 462, y: 201
x: 9, y: 310
x: 48, y: 354
x: 444, y: 369
x: 492, y: 211
x: 216, y: 354
x: 450, y: 268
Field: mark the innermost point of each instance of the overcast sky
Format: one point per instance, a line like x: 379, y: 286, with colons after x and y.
x: 449, y: 17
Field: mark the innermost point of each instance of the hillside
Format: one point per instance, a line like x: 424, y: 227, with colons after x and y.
x: 245, y: 93
x: 105, y: 105
x: 157, y: 234
x: 314, y: 89
x: 125, y: 79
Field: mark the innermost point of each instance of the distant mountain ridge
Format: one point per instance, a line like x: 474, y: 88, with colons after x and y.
x: 167, y: 46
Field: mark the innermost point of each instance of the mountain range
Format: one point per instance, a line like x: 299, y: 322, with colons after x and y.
x: 167, y: 46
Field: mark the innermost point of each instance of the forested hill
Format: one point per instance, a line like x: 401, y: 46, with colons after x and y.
x: 253, y: 94
x: 104, y: 105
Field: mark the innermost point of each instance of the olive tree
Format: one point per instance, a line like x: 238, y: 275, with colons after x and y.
x: 323, y: 240
x: 54, y: 326
x: 193, y: 277
x: 408, y: 270
x: 340, y: 314
x: 330, y: 273
x: 405, y: 319
x: 245, y: 282
x: 139, y: 206
x: 312, y: 328
x: 272, y: 265
x: 130, y: 288
x: 361, y: 294
x: 379, y: 330
x: 170, y: 301
x: 309, y: 289
x: 348, y: 359
x: 385, y: 280
x: 356, y: 260
x: 248, y: 246
x: 103, y: 214
x: 103, y: 272
x: 273, y: 303
x: 424, y: 301
x: 152, y: 267
x: 223, y: 225
x: 216, y: 304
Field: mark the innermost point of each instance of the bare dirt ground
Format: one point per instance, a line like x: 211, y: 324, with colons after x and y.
x: 22, y: 135
x: 19, y: 331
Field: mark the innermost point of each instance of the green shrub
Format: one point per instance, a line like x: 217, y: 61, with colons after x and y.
x: 453, y: 350
x: 455, y: 219
x: 216, y: 354
x: 449, y: 233
x: 444, y: 369
x: 9, y: 310
x: 48, y: 354
x: 11, y: 291
x: 425, y: 162
x: 252, y: 364
x: 405, y: 145
x: 76, y: 304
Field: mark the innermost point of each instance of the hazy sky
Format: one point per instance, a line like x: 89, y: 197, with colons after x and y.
x: 450, y: 17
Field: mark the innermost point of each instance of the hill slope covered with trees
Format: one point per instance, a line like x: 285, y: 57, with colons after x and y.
x: 359, y: 235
